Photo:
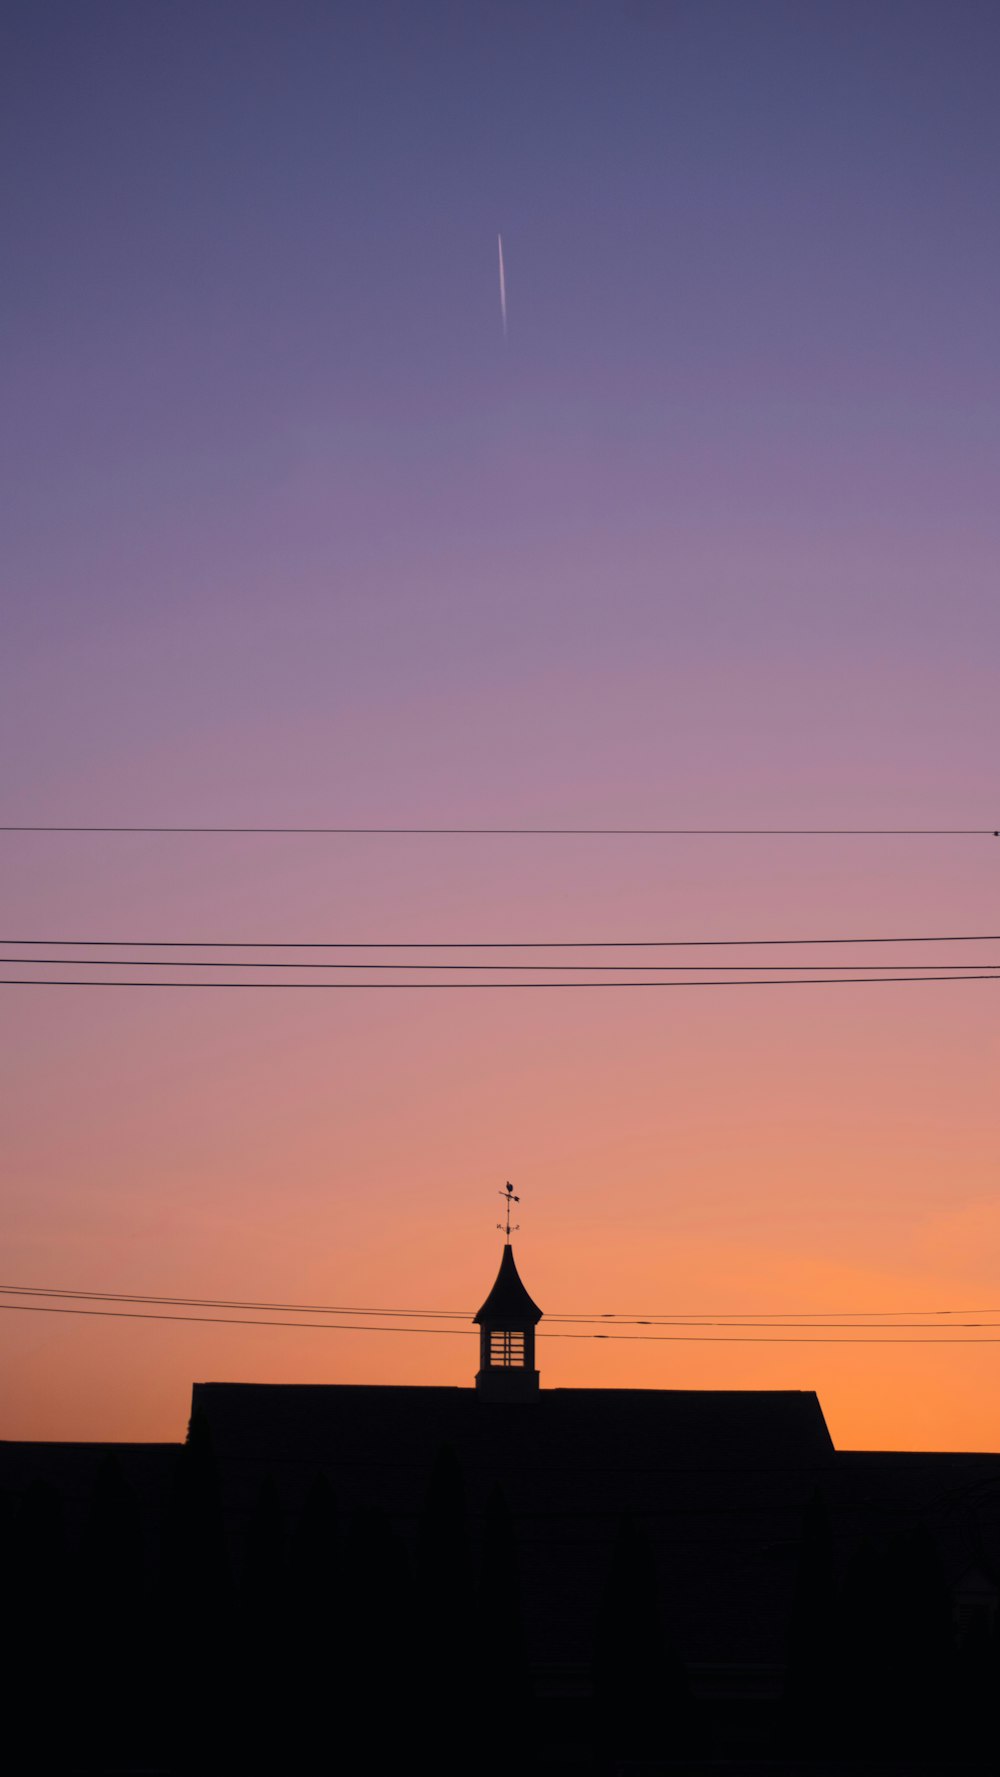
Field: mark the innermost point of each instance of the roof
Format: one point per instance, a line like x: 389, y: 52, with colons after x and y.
x: 357, y: 1428
x: 508, y: 1300
x: 718, y: 1480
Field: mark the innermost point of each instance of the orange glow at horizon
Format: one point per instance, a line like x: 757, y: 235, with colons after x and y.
x: 731, y: 1152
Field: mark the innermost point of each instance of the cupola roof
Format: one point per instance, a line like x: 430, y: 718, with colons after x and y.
x: 508, y: 1300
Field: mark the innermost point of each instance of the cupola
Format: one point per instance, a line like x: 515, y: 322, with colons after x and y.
x: 507, y: 1322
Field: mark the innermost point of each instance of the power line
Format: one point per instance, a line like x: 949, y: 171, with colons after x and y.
x: 492, y: 986
x: 140, y: 962
x: 759, y: 1323
x: 467, y: 1333
x: 628, y: 1317
x: 762, y: 1322
x: 8, y: 1289
x: 539, y: 832
x: 229, y: 1321
x: 481, y: 944
x: 738, y: 1317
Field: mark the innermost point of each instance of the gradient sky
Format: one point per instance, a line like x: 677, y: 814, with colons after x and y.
x: 291, y: 535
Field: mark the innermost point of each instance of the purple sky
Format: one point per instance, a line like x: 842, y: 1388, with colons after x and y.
x: 270, y: 477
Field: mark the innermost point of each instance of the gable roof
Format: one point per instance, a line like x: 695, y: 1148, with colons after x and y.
x: 718, y: 1480
x: 565, y: 1437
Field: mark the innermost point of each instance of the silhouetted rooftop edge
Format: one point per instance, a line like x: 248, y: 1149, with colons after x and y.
x: 621, y: 1428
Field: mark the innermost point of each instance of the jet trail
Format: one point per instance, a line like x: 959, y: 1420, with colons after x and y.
x: 503, y: 287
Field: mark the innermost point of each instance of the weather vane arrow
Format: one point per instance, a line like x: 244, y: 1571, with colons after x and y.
x: 505, y: 1227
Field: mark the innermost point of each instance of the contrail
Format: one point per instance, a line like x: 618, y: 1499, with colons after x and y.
x: 503, y: 287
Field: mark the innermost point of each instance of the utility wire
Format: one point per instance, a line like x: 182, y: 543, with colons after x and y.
x: 480, y: 944
x: 758, y: 1323
x: 214, y: 1302
x: 742, y: 1317
x: 546, y: 832
x: 229, y: 1321
x: 466, y: 1333
x: 141, y: 962
x: 492, y: 986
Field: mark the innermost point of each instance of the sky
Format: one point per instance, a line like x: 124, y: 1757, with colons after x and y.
x: 291, y: 534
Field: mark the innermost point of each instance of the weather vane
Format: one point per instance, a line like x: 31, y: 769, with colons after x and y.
x: 508, y: 1196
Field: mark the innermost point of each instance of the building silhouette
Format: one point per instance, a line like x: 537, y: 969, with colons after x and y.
x: 343, y: 1578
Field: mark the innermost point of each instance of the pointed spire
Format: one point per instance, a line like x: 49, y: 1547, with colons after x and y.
x: 507, y: 1322
x: 508, y: 1303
